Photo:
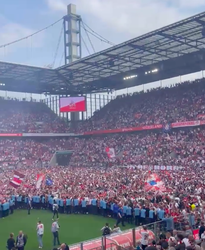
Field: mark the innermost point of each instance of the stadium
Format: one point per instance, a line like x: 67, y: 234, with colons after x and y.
x: 92, y: 156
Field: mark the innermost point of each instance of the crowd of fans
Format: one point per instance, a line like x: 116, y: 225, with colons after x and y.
x: 29, y: 152
x: 120, y: 186
x: 180, y: 147
x: 29, y: 117
x: 120, y: 181
x: 181, y: 102
x: 92, y: 174
x: 178, y: 240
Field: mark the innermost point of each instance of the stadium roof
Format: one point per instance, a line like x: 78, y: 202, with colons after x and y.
x: 105, y: 70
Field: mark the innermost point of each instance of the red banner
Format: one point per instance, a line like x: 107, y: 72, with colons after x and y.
x: 147, y: 127
x: 185, y: 124
x: 121, y: 130
x: 110, y: 131
x: 202, y: 122
x: 9, y: 135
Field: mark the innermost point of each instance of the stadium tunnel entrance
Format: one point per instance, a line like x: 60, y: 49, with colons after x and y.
x: 61, y: 158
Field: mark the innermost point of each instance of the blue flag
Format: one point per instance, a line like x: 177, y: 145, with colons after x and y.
x: 49, y: 182
x: 166, y: 128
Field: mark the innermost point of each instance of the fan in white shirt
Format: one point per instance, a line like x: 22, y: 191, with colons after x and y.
x: 145, y: 237
x: 40, y: 228
x: 203, y: 241
x: 203, y: 236
x: 186, y: 242
x: 40, y: 232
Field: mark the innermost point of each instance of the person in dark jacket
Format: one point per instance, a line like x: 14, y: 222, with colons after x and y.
x: 106, y: 230
x: 201, y: 229
x: 29, y: 204
x: 21, y: 241
x: 64, y: 246
x: 11, y: 242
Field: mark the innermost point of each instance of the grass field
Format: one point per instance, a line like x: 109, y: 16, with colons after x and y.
x: 73, y: 228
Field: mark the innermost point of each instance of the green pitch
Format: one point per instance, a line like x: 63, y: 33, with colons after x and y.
x: 73, y: 228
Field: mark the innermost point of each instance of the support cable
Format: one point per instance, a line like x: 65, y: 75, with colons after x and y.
x: 88, y: 37
x: 31, y: 35
x: 57, y: 48
x: 61, y: 59
x: 85, y: 45
x: 95, y: 34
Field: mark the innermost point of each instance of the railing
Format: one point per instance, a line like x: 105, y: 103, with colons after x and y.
x: 127, y: 239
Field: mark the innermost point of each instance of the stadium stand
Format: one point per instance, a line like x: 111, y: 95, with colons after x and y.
x: 184, y: 147
x: 23, y: 116
x: 180, y: 147
x: 181, y: 102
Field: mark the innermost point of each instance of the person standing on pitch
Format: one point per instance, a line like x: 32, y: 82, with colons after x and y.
x: 40, y: 232
x: 11, y: 242
x: 21, y: 241
x: 54, y: 229
x: 29, y: 204
x: 55, y: 209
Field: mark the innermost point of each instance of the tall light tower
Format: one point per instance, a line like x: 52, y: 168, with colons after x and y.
x: 72, y: 41
x: 72, y: 35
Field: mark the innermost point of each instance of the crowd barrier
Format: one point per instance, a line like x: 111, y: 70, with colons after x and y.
x: 125, y: 240
x: 128, y: 239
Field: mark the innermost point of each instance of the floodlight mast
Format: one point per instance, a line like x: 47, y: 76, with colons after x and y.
x: 72, y: 42
x: 72, y: 35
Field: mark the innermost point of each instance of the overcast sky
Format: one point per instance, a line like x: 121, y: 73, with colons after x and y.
x: 116, y: 20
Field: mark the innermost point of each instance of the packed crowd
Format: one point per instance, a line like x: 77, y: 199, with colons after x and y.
x: 181, y: 147
x: 23, y: 117
x: 122, y: 186
x: 181, y: 102
x: 178, y: 240
x: 28, y: 152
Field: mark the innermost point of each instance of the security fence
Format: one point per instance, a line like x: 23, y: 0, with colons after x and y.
x: 127, y: 239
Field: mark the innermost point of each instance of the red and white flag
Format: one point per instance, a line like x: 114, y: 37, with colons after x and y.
x: 17, y: 179
x: 154, y: 183
x: 40, y: 179
x: 110, y: 152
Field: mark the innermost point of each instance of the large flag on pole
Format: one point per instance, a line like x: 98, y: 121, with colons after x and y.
x: 154, y: 183
x: 17, y: 179
x: 40, y: 179
x: 110, y: 152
